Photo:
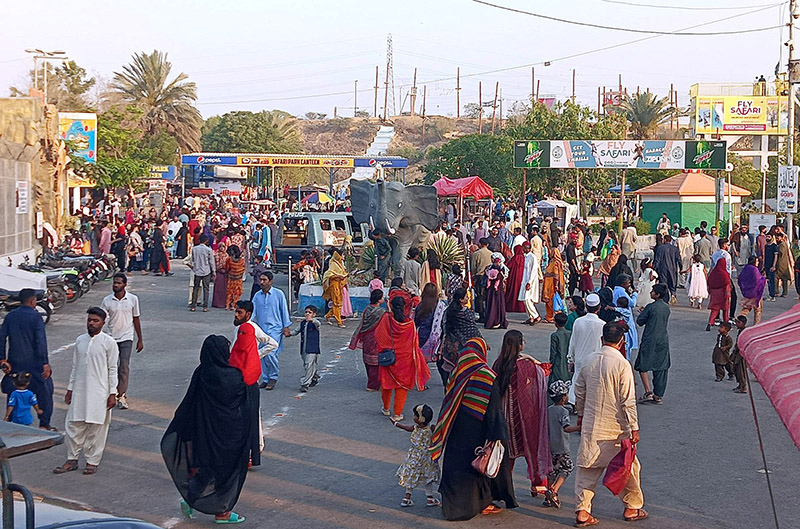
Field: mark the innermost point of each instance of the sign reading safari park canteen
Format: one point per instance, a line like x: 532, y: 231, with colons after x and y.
x: 294, y: 160
x: 620, y: 154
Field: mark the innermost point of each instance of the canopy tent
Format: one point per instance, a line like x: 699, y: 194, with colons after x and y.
x: 564, y: 211
x: 772, y: 350
x: 472, y: 186
x: 318, y: 197
x: 617, y: 188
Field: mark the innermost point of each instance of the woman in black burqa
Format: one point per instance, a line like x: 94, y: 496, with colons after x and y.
x: 207, y: 445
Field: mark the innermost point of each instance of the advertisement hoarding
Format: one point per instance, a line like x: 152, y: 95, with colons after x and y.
x: 741, y: 114
x: 620, y: 154
x: 165, y: 172
x: 80, y: 129
x: 787, y: 188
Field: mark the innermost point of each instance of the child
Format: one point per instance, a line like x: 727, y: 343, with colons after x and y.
x: 559, y: 346
x: 258, y: 269
x: 560, y: 428
x: 376, y: 283
x: 739, y: 366
x: 631, y: 335
x: 590, y: 257
x: 721, y: 356
x: 171, y: 244
x: 647, y: 278
x: 21, y: 400
x: 586, y: 285
x: 309, y: 347
x: 418, y: 468
x: 698, y: 287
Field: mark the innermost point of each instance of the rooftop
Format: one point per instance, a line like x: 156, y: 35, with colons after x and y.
x: 689, y: 183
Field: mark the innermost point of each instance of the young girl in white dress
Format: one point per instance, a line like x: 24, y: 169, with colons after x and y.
x: 698, y: 286
x: 419, y: 468
x: 647, y: 278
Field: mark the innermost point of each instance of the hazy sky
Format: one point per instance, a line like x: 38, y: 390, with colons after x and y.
x: 303, y: 56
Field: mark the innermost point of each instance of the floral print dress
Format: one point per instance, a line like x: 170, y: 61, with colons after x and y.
x: 418, y: 468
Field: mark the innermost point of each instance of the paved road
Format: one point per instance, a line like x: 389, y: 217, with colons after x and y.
x: 331, y: 456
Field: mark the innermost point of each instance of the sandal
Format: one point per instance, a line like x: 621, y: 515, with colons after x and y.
x: 69, y: 466
x: 433, y: 502
x: 491, y: 509
x: 591, y: 520
x: 386, y: 412
x: 657, y: 400
x: 89, y: 470
x: 406, y: 502
x: 232, y: 518
x: 552, y: 498
x: 646, y: 398
x: 186, y: 509
x: 641, y: 514
x: 48, y: 428
x: 397, y: 418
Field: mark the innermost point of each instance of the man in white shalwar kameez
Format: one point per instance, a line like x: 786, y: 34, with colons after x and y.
x: 586, y: 339
x: 606, y: 405
x: 91, y: 394
x: 529, y: 292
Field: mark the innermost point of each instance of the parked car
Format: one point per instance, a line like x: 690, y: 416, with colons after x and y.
x: 309, y: 230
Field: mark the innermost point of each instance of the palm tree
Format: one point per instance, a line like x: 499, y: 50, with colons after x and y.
x: 645, y: 112
x: 168, y: 105
x: 286, y: 130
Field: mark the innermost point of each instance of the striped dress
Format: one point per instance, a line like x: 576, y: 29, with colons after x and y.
x: 236, y: 269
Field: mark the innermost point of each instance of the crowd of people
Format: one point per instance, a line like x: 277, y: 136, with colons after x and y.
x: 607, y: 299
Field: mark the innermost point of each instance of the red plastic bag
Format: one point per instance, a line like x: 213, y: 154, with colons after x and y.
x: 618, y: 471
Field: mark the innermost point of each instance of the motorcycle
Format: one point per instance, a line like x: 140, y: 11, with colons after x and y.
x: 10, y: 301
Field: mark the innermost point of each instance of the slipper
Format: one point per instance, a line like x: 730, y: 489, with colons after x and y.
x: 646, y: 398
x: 69, y: 466
x: 406, y: 502
x: 48, y: 428
x: 232, y: 518
x: 433, y: 502
x: 591, y: 520
x: 492, y: 509
x: 641, y: 514
x: 186, y: 509
x: 90, y: 470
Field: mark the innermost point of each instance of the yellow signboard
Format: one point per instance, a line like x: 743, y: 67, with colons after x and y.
x: 740, y: 115
x: 294, y: 161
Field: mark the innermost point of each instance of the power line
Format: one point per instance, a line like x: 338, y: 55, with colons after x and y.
x: 628, y: 30
x: 688, y: 8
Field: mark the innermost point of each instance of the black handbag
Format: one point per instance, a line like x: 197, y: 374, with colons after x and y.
x: 387, y: 357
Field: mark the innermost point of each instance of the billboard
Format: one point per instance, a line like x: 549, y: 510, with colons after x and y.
x: 80, y: 129
x: 741, y: 114
x: 787, y: 188
x: 620, y: 154
x: 165, y: 172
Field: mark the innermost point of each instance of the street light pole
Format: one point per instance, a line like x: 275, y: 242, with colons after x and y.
x: 794, y: 14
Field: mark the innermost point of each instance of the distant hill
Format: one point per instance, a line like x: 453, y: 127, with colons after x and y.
x: 353, y: 136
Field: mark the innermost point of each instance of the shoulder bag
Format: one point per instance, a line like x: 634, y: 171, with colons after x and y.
x: 387, y: 357
x: 488, y: 458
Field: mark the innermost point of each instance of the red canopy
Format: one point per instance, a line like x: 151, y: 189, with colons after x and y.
x: 472, y: 186
x: 772, y: 350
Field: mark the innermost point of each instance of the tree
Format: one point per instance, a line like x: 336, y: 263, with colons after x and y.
x: 242, y: 131
x: 315, y: 115
x: 362, y: 114
x: 167, y: 105
x: 471, y: 110
x: 483, y: 155
x: 645, y: 112
x: 67, y: 86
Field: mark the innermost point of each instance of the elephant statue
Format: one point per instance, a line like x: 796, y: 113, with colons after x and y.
x: 406, y: 213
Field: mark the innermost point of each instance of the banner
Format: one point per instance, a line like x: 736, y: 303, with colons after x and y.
x: 741, y: 114
x: 80, y: 129
x: 620, y: 154
x: 787, y: 188
x: 294, y: 161
x: 165, y: 172
x: 719, y: 197
x: 21, y: 199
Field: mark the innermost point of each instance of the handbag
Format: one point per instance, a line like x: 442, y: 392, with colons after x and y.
x: 558, y: 303
x: 387, y: 357
x: 488, y: 458
x: 618, y: 471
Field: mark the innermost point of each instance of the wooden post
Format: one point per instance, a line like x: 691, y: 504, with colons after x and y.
x: 424, y: 97
x: 621, y: 205
x: 386, y: 92
x: 414, y: 94
x: 533, y: 84
x: 537, y: 90
x: 334, y: 112
x: 375, y: 111
x: 573, y: 86
x: 598, y: 100
x: 494, y: 105
x: 480, y: 109
x: 620, y: 85
x: 671, y: 114
x: 458, y: 92
x: 524, y: 197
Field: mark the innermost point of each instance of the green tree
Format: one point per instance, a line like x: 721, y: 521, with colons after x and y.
x: 67, y: 86
x: 483, y: 155
x: 167, y: 104
x: 645, y: 112
x: 242, y: 131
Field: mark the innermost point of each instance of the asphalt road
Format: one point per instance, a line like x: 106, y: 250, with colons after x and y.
x: 330, y: 455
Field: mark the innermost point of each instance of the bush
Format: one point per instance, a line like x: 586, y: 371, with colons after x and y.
x: 642, y: 227
x: 595, y: 229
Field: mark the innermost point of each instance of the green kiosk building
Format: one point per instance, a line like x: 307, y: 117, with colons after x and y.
x: 687, y: 198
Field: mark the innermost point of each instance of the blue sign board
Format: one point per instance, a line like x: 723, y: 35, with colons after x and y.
x: 386, y: 163
x: 208, y: 160
x: 167, y: 172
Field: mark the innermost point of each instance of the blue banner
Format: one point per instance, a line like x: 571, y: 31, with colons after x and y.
x: 386, y: 163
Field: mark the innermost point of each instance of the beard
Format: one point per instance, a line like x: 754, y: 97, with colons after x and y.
x: 237, y: 322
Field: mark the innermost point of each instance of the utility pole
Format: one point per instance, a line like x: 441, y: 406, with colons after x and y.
x: 794, y: 14
x: 573, y: 86
x: 386, y: 92
x: 45, y: 56
x: 414, y: 94
x: 375, y: 110
x: 533, y: 84
x: 494, y: 105
x: 355, y: 100
x: 621, y: 203
x: 480, y: 109
x: 458, y: 92
x: 424, y: 97
x: 537, y: 90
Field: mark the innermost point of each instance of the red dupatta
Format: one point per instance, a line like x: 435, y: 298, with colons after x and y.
x: 409, y: 369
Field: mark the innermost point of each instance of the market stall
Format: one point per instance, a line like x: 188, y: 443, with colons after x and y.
x: 469, y: 187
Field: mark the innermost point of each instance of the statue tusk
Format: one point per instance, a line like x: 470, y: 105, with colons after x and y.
x: 389, y: 226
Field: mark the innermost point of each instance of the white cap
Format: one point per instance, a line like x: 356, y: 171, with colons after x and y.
x: 592, y: 300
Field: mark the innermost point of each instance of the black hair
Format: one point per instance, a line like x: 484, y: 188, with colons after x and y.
x: 424, y: 412
x: 742, y: 319
x: 376, y: 295
x: 234, y: 251
x: 623, y: 302
x: 612, y: 332
x: 22, y: 380
x: 203, y: 239
x: 455, y: 269
x: 560, y: 319
x: 267, y: 273
x: 433, y: 259
x: 662, y: 291
x: 312, y: 308
x: 580, y: 305
x: 246, y: 305
x: 26, y: 293
x: 721, y: 241
x: 484, y: 241
x: 413, y: 253
x: 123, y: 277
x: 726, y: 324
x: 97, y: 311
x: 398, y: 306
x: 397, y: 282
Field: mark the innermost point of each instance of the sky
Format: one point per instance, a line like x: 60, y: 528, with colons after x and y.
x: 305, y: 56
